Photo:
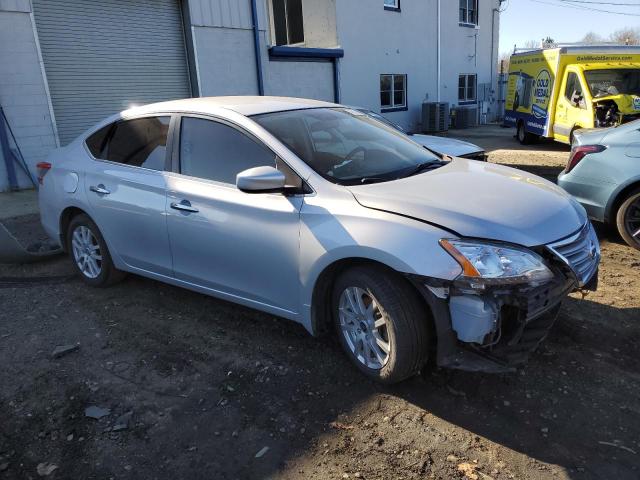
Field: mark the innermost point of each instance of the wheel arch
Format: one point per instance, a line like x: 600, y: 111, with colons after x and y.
x: 320, y: 308
x: 619, y: 197
x: 575, y: 127
x: 66, y: 216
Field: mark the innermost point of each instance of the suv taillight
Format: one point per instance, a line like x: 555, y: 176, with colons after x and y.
x: 43, y: 168
x: 579, y: 152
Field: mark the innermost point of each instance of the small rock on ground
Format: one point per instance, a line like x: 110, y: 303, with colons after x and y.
x: 62, y: 350
x: 96, y: 412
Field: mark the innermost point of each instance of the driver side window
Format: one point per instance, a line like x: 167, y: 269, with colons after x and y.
x: 215, y: 151
x: 573, y: 91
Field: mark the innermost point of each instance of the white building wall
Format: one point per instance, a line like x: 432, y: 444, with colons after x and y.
x: 319, y: 23
x: 300, y: 79
x: 378, y: 41
x: 222, y: 33
x: 405, y: 42
x: 467, y: 50
x: 22, y: 89
x: 375, y: 41
x: 225, y: 54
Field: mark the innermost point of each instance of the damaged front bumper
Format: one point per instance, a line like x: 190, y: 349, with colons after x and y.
x: 494, y: 329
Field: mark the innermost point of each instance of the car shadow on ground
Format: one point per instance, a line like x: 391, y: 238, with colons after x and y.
x: 571, y: 406
x: 211, y: 384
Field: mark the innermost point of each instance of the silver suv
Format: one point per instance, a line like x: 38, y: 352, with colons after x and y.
x: 323, y: 215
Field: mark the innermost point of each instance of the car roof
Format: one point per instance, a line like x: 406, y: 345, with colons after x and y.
x: 244, y: 105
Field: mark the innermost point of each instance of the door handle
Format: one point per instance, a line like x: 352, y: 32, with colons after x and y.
x: 99, y: 189
x: 184, y: 205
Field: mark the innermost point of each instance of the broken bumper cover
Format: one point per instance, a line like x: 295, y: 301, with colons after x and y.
x: 494, y: 330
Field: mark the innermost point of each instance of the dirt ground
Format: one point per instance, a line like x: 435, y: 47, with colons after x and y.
x: 201, y: 388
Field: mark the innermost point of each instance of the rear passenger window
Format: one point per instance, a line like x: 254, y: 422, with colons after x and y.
x: 140, y: 142
x: 215, y: 151
x: 97, y: 141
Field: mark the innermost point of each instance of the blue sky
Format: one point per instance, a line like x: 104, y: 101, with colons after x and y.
x: 532, y: 20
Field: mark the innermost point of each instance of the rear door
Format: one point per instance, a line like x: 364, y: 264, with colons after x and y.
x: 126, y: 188
x: 242, y: 245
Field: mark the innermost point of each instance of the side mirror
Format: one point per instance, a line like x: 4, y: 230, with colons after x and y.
x: 261, y: 180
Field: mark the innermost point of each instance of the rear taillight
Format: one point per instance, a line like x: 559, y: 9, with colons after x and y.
x: 579, y: 152
x: 43, y: 168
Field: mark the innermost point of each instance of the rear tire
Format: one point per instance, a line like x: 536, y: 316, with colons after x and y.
x: 388, y: 338
x: 524, y: 137
x: 89, y: 253
x: 628, y: 220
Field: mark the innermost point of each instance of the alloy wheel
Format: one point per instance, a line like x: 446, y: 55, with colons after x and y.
x: 632, y: 220
x: 86, y: 252
x: 364, y: 326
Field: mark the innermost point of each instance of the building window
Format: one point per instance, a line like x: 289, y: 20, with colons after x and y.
x: 393, y: 91
x: 469, y: 12
x: 392, y: 5
x: 287, y: 21
x: 467, y: 88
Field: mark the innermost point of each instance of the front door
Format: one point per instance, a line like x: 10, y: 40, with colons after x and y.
x: 571, y: 109
x: 242, y: 245
x: 126, y: 189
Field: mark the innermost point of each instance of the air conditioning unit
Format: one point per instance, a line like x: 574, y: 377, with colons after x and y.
x: 466, y: 117
x: 435, y: 117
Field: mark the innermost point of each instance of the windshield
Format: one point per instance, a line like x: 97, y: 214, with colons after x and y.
x: 384, y: 120
x: 603, y: 83
x: 346, y: 146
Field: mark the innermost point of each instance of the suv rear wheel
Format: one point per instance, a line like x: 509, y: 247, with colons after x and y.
x: 628, y: 219
x: 381, y: 323
x: 90, y: 254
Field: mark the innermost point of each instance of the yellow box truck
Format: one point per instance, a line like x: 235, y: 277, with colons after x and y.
x: 554, y: 91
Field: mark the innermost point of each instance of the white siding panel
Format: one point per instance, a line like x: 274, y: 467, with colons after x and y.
x: 221, y: 13
x: 22, y: 92
x: 104, y: 55
x: 226, y: 59
x: 300, y: 79
x: 15, y: 6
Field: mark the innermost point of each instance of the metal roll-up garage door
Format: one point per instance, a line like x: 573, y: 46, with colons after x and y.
x: 102, y: 56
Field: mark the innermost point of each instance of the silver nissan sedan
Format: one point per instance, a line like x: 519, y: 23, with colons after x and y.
x: 319, y: 213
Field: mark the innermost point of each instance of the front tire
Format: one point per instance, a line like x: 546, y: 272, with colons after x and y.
x: 628, y: 220
x: 381, y: 323
x: 89, y: 253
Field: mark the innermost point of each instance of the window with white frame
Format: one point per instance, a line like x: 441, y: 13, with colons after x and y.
x: 469, y: 12
x: 467, y: 87
x: 392, y: 4
x: 287, y: 21
x: 393, y: 91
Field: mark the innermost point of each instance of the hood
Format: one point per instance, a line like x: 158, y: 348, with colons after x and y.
x: 627, y: 104
x: 448, y: 146
x: 481, y: 200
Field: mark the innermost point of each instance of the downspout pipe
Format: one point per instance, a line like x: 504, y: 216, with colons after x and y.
x: 256, y: 43
x: 336, y: 80
x: 493, y: 37
x: 438, y: 54
x: 6, y: 154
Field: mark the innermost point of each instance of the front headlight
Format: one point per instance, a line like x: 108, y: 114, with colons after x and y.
x: 491, y: 263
